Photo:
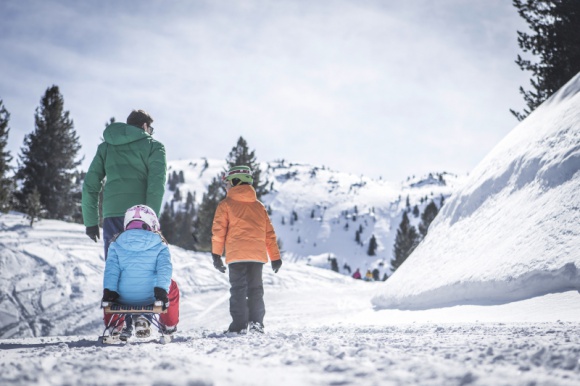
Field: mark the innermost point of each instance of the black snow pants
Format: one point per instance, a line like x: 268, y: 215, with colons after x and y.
x: 247, y: 295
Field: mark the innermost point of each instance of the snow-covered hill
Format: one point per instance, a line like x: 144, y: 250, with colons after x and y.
x: 513, y: 231
x: 320, y: 328
x: 317, y: 212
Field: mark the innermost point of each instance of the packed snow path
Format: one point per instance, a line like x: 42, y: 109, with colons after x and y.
x: 427, y: 354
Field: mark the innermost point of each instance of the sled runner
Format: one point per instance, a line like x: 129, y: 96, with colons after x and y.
x: 112, y: 333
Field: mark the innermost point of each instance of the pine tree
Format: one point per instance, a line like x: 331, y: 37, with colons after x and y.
x: 6, y: 183
x: 177, y: 195
x: 405, y: 242
x: 416, y: 211
x: 166, y: 222
x: 33, y: 205
x: 240, y: 155
x: 554, y: 41
x: 205, y: 214
x: 181, y: 236
x: 333, y: 263
x: 427, y: 217
x: 372, y: 250
x: 47, y: 161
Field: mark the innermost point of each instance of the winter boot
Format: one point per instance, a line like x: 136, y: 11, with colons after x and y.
x: 142, y: 327
x: 167, y: 334
x: 126, y: 333
x: 112, y: 334
x: 256, y: 327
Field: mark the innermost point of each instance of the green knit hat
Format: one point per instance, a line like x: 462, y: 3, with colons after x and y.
x: 243, y: 173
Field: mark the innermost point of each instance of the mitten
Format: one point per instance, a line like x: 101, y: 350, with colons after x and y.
x: 161, y: 295
x: 276, y: 264
x: 218, y: 263
x: 93, y: 232
x: 110, y: 296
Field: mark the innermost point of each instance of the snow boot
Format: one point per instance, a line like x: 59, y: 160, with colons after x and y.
x: 256, y: 327
x: 142, y: 327
x: 167, y: 334
x: 112, y: 334
x: 126, y: 333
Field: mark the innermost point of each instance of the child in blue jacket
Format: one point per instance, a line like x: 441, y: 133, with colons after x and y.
x: 138, y: 272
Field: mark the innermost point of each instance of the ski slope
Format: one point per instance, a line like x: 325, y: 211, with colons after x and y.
x: 321, y: 327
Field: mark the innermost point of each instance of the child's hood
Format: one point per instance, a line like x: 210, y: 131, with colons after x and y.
x: 138, y: 240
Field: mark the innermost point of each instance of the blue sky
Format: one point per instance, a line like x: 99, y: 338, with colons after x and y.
x: 380, y: 88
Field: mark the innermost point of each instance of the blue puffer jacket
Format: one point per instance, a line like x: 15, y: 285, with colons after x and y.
x: 137, y: 262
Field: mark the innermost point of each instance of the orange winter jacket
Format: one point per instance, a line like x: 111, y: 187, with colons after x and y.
x: 242, y: 225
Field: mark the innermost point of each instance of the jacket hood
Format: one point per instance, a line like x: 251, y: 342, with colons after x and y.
x: 244, y: 193
x: 138, y: 240
x: 119, y: 133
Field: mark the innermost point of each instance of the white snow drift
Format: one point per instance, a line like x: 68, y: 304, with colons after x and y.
x: 513, y: 230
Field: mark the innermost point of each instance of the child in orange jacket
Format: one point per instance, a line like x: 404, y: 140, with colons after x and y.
x: 243, y: 228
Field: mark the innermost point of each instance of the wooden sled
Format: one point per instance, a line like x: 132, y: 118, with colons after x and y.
x: 150, y: 312
x: 114, y: 308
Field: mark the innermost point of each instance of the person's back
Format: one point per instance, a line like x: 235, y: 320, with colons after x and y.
x: 134, y: 165
x: 138, y: 261
x: 242, y: 228
x: 133, y: 169
x: 250, y: 235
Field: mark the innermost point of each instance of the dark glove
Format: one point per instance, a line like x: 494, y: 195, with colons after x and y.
x: 161, y: 295
x: 93, y: 232
x: 218, y: 263
x: 276, y: 264
x: 110, y: 296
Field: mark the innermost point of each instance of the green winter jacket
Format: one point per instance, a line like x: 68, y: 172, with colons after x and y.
x: 135, y: 168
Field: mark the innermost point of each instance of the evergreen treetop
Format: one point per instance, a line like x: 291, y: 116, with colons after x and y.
x: 49, y: 158
x: 405, y: 242
x: 554, y: 41
x: 427, y: 217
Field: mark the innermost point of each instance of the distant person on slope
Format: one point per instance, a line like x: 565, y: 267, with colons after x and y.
x: 356, y: 274
x: 369, y: 275
x: 138, y: 272
x: 135, y: 169
x: 243, y: 228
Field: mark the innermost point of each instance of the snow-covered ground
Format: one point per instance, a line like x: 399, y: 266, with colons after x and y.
x: 513, y: 230
x: 489, y: 298
x: 321, y: 328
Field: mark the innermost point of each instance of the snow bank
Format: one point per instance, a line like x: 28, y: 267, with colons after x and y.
x: 513, y: 230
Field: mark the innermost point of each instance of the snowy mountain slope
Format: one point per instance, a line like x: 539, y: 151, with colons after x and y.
x: 510, y: 233
x: 513, y: 230
x: 321, y: 327
x: 316, y: 212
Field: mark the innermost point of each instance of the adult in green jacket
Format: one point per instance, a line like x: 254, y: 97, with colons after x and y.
x: 134, y: 168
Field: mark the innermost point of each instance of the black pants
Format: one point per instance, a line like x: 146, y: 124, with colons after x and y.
x: 247, y: 295
x: 111, y: 227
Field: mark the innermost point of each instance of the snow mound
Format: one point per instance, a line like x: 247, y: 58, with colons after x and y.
x: 512, y: 231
